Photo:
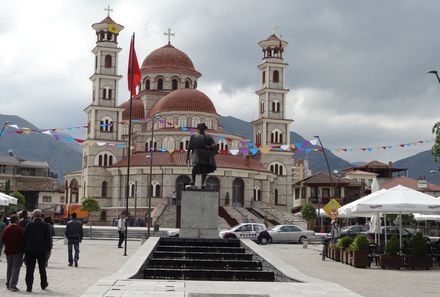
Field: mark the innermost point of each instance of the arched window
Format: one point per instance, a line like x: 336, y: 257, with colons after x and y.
x: 182, y: 121
x: 213, y: 183
x: 156, y: 188
x: 168, y: 143
x: 276, y: 196
x: 150, y: 145
x: 184, y: 142
x: 264, y: 77
x: 208, y: 123
x: 214, y: 124
x: 131, y: 189
x: 107, y: 92
x: 174, y: 84
x: 257, y: 193
x: 262, y: 106
x: 258, y: 137
x: 276, y: 136
x: 160, y: 84
x: 170, y: 122
x: 195, y: 85
x: 147, y: 84
x: 74, y: 191
x: 106, y: 124
x: 104, y: 189
x: 277, y: 168
x: 238, y: 192
x: 276, y: 76
x: 188, y: 84
x: 223, y: 145
x: 104, y: 159
x: 275, y: 106
x: 108, y: 61
x: 195, y: 121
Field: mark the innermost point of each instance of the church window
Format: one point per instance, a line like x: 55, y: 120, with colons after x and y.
x: 96, y: 63
x: 170, y: 122
x: 182, y: 121
x: 105, y: 163
x: 107, y: 92
x: 195, y: 85
x: 168, y: 143
x: 174, y: 84
x: 195, y: 121
x: 277, y: 168
x: 184, y: 142
x: 276, y: 76
x: 104, y: 189
x: 100, y: 160
x: 188, y: 84
x: 276, y: 196
x: 102, y: 35
x: 258, y: 137
x: 108, y: 61
x: 276, y: 136
x: 106, y: 124
x: 264, y: 76
x: 105, y: 159
x: 156, y: 188
x: 214, y: 124
x: 160, y: 84
x: 262, y: 106
x: 131, y: 189
x: 208, y: 123
x: 276, y: 106
x: 147, y: 84
x: 223, y: 145
x: 110, y: 160
x: 150, y: 145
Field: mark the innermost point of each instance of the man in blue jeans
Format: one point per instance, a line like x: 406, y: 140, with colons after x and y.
x: 74, y: 235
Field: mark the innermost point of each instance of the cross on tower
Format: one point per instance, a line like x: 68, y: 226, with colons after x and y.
x: 274, y: 29
x: 169, y: 34
x: 108, y: 9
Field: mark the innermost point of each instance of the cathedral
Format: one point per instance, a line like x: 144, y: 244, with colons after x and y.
x: 167, y: 108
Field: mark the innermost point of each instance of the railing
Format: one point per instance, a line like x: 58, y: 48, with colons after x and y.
x: 227, y: 217
x: 263, y: 217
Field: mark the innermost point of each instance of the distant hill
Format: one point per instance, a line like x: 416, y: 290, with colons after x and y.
x: 420, y: 165
x: 316, y: 159
x: 62, y: 156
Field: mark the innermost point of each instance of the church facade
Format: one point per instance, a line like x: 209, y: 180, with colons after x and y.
x: 164, y: 114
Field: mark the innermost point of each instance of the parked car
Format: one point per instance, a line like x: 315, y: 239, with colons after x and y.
x: 351, y: 231
x: 289, y: 233
x: 390, y: 230
x: 253, y: 231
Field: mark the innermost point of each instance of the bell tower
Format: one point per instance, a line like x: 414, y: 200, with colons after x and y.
x: 104, y: 145
x: 271, y: 129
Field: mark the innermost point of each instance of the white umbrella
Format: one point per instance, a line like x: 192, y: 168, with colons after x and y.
x: 3, y: 201
x: 422, y: 217
x: 347, y: 209
x: 11, y: 200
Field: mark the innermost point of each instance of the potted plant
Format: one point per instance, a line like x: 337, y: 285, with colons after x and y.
x: 343, y: 244
x: 391, y: 257
x: 419, y: 256
x: 359, y: 248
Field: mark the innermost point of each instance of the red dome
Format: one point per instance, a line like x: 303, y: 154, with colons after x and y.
x: 168, y: 58
x: 137, y: 110
x: 184, y: 100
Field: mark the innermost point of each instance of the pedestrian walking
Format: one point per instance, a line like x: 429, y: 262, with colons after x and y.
x: 13, y: 239
x: 24, y: 219
x: 335, y: 232
x: 74, y: 234
x: 2, y: 227
x: 37, y: 245
x: 121, y: 228
x: 174, y: 198
x: 48, y: 220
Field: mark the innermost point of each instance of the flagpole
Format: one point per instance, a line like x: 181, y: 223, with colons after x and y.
x: 127, y: 185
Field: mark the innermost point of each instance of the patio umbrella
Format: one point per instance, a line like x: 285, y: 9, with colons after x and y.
x: 347, y: 209
x: 11, y: 200
x: 3, y: 201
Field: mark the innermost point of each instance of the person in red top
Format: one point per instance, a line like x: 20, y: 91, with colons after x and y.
x: 13, y: 238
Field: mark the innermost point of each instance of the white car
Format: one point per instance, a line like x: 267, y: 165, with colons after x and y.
x: 253, y: 231
x: 289, y: 233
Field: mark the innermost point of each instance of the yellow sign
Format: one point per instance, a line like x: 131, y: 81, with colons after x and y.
x: 331, y: 208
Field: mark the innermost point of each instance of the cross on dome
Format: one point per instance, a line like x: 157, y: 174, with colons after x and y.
x: 274, y: 29
x: 108, y: 9
x: 169, y: 34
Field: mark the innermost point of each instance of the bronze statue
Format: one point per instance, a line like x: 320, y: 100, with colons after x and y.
x: 203, y: 150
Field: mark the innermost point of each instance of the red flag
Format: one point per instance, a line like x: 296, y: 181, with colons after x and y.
x: 135, y: 71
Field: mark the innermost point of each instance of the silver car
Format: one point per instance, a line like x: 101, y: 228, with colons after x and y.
x: 290, y: 233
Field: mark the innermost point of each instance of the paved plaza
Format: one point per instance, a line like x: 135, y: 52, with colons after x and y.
x: 372, y: 282
x: 101, y: 258
x: 98, y: 259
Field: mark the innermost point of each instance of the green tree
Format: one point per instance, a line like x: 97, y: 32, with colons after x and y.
x: 436, y: 147
x: 308, y: 212
x: 90, y: 204
x: 21, y: 201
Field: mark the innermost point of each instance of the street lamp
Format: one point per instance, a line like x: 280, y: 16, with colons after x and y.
x: 436, y: 74
x: 338, y: 193
x: 331, y: 180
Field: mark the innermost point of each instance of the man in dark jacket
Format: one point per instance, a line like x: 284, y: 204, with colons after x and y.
x: 14, y: 247
x: 37, y: 245
x: 24, y: 219
x: 74, y: 234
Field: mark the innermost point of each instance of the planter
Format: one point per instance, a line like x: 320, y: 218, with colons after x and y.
x: 394, y: 261
x: 342, y: 255
x: 348, y: 258
x: 337, y: 255
x: 360, y: 259
x: 423, y: 262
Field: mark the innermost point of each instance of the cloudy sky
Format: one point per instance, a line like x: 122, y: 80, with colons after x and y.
x: 357, y: 69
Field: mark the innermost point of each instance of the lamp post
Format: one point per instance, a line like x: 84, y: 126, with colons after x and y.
x: 436, y: 74
x: 338, y: 193
x: 331, y: 180
x: 150, y: 177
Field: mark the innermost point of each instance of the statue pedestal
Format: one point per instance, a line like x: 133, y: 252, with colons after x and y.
x: 199, y: 214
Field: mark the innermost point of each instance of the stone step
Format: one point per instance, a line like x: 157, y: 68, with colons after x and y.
x: 202, y: 255
x: 203, y: 249
x: 216, y: 264
x: 208, y: 274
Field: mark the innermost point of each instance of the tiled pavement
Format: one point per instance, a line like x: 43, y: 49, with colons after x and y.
x: 98, y: 259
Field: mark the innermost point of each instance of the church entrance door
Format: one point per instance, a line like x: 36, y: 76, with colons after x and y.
x: 238, y: 192
x: 212, y: 184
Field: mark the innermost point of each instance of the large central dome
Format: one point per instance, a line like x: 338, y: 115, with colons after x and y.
x: 184, y: 100
x: 168, y: 58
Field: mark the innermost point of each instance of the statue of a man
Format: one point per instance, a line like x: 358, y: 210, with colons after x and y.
x: 203, y: 150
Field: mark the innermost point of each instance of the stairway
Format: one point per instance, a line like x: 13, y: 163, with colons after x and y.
x: 280, y: 215
x: 204, y: 259
x: 168, y: 217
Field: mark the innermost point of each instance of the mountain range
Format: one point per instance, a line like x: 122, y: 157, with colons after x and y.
x: 65, y: 156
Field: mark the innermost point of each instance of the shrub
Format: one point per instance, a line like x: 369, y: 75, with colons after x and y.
x: 418, y: 245
x: 344, y: 242
x: 360, y: 243
x: 308, y: 212
x: 393, y: 246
